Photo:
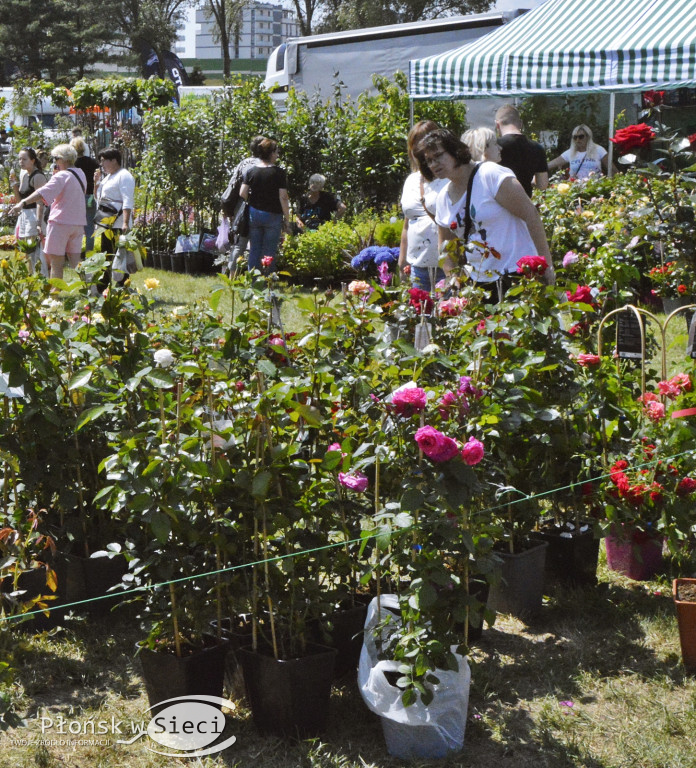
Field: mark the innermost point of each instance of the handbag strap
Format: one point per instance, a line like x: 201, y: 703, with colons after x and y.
x: 79, y: 180
x: 467, y: 210
x: 422, y: 198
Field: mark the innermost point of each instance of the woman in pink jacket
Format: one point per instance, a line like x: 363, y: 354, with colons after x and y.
x: 65, y: 193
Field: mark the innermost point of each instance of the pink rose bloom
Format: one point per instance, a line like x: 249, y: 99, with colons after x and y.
x: 436, y: 446
x: 588, y: 360
x: 359, y: 288
x: 570, y: 258
x: 355, y: 481
x: 266, y: 261
x: 408, y: 400
x: 682, y: 381
x: 473, y: 451
x: 451, y: 307
x: 669, y: 389
x: 336, y: 447
x: 655, y: 410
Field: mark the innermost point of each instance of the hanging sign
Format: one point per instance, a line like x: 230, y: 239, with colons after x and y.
x: 629, y: 337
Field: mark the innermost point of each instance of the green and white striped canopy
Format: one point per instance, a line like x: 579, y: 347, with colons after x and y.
x: 570, y: 46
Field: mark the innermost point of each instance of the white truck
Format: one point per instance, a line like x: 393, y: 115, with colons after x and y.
x: 314, y: 64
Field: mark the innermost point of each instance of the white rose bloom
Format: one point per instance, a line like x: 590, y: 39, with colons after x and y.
x: 164, y: 358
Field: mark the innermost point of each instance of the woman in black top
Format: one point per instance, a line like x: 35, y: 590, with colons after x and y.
x: 265, y: 187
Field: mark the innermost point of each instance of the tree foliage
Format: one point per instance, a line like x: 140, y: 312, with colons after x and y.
x: 227, y: 15
x: 355, y: 14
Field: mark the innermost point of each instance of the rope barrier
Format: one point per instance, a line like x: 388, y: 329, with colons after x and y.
x: 305, y: 552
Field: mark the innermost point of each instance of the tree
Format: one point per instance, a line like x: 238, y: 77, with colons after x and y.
x: 53, y: 39
x: 147, y: 24
x: 356, y: 14
x: 305, y: 10
x: 227, y: 15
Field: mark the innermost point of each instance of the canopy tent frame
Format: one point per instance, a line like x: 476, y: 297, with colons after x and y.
x: 570, y: 46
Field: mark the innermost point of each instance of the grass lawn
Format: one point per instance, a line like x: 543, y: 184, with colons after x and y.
x: 596, y: 681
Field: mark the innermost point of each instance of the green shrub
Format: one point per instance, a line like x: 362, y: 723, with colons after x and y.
x: 389, y: 233
x: 324, y: 252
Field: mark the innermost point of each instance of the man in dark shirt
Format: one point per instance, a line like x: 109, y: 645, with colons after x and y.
x: 524, y: 157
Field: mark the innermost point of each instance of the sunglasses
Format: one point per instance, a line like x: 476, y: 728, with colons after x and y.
x: 579, y: 137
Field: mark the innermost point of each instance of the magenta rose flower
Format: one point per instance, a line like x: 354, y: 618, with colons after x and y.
x: 473, y: 451
x: 355, y: 481
x: 408, y: 400
x: 532, y: 265
x: 436, y: 446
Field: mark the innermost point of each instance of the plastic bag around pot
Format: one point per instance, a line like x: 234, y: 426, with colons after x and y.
x: 416, y: 731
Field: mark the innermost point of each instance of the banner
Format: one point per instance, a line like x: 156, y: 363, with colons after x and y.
x: 175, y: 69
x: 150, y: 61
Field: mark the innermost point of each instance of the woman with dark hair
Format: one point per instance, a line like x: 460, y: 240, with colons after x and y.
x: 504, y: 224
x: 115, y: 189
x: 30, y: 224
x: 265, y: 187
x: 418, y: 247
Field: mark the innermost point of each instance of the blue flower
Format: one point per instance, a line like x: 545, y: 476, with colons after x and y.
x: 364, y: 258
x: 386, y: 255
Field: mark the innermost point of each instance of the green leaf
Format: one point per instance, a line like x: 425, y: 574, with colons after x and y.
x: 259, y: 488
x: 309, y: 413
x: 412, y: 500
x: 161, y: 526
x: 266, y: 367
x: 214, y: 298
x: 160, y: 379
x: 80, y: 379
x: 91, y: 414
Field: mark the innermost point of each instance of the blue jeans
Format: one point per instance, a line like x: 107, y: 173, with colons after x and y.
x: 264, y: 235
x: 420, y: 277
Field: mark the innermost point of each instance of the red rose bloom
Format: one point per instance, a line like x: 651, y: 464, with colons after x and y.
x: 653, y: 98
x: 633, y: 137
x: 686, y: 486
x: 582, y: 295
x: 692, y: 141
x: 420, y: 300
x: 532, y: 265
x: 682, y: 288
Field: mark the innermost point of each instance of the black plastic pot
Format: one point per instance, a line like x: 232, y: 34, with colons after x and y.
x: 178, y: 262
x: 345, y: 633
x: 100, y: 574
x: 478, y: 588
x: 521, y: 587
x: 193, y: 263
x: 571, y: 557
x: 200, y: 672
x: 289, y: 697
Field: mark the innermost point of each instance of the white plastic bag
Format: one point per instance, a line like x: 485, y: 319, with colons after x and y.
x: 416, y: 731
x: 223, y: 236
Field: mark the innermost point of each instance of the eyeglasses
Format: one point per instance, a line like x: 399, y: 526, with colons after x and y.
x: 54, y: 160
x: 579, y: 137
x: 434, y: 157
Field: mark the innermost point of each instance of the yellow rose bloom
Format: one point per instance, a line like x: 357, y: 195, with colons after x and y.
x: 563, y: 189
x: 151, y: 283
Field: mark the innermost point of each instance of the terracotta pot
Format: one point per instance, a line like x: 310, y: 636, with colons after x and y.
x: 686, y: 619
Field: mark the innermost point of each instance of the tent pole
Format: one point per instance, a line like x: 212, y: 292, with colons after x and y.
x: 612, y: 110
x: 410, y: 112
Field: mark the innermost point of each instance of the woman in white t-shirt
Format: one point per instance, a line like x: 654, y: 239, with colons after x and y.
x: 505, y: 225
x: 584, y: 157
x: 418, y: 247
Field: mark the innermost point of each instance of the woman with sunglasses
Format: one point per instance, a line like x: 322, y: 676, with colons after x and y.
x: 584, y: 157
x: 65, y: 193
